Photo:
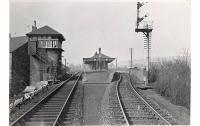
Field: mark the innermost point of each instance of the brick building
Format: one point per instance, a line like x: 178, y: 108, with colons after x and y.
x: 35, y: 57
x: 19, y: 64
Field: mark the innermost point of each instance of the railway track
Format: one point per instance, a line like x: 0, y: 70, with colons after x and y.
x: 115, y: 114
x: 72, y: 113
x: 167, y: 116
x: 17, y: 112
x: 49, y: 110
x: 127, y: 107
x: 136, y: 109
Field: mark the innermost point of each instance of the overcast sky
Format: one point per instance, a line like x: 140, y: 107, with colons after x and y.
x: 109, y: 25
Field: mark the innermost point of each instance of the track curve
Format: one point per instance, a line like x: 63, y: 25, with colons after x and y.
x: 137, y: 110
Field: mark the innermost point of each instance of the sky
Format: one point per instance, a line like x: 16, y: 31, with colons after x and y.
x: 89, y: 25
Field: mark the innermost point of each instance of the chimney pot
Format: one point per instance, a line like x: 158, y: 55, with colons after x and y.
x: 34, y: 27
x: 35, y: 23
x: 99, y: 50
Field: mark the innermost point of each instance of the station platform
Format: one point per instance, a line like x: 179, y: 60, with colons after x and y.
x: 97, y: 77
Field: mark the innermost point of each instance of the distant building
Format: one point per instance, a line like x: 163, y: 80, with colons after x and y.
x: 36, y: 56
x: 99, y: 61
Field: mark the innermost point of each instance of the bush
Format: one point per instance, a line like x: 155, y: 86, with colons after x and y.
x: 116, y: 76
x: 153, y: 73
x: 172, y: 79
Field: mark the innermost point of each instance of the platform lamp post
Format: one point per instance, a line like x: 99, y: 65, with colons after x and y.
x: 146, y: 29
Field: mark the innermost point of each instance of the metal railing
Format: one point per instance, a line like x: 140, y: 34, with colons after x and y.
x: 144, y: 25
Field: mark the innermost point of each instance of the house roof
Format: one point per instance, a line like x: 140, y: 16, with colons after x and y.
x: 45, y: 30
x: 16, y: 42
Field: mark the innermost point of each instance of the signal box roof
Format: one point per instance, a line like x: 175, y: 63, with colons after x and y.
x: 46, y: 30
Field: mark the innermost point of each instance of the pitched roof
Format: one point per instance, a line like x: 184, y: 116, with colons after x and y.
x: 16, y: 42
x: 45, y: 30
x: 97, y: 55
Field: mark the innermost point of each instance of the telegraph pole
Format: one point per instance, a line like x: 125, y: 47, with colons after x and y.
x: 116, y: 63
x: 131, y: 58
x: 65, y: 63
x: 146, y: 28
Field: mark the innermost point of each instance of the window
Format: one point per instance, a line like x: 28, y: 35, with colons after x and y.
x: 59, y: 44
x: 49, y: 44
x: 55, y: 44
x: 42, y: 44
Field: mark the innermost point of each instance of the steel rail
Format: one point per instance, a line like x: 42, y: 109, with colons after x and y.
x: 40, y: 102
x: 167, y: 122
x: 120, y: 103
x: 70, y: 94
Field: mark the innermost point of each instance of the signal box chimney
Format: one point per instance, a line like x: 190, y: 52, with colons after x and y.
x: 34, y: 27
x: 99, y: 50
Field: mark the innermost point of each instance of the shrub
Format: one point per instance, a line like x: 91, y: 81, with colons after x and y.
x: 172, y: 79
x: 153, y: 73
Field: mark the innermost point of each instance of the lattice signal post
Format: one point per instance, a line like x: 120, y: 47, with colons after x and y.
x: 146, y: 28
